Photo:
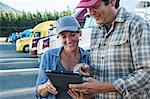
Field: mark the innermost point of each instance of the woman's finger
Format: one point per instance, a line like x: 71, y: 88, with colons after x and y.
x: 50, y: 88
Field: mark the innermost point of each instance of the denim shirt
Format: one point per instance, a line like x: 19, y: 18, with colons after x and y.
x: 50, y: 59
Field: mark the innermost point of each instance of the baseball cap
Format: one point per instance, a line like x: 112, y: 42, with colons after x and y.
x: 87, y: 3
x: 67, y: 23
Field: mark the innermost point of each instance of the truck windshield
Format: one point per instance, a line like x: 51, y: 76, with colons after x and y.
x: 143, y: 4
x: 37, y: 34
x: 90, y: 22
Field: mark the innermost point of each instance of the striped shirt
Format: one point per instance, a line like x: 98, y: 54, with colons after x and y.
x: 121, y: 56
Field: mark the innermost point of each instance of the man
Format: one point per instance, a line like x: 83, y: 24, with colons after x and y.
x: 120, y: 53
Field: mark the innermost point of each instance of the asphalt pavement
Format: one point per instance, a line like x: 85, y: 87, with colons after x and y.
x: 18, y: 73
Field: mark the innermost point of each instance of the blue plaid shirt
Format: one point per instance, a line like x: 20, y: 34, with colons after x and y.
x: 121, y: 56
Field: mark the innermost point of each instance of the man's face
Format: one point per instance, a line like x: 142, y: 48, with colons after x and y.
x: 102, y: 13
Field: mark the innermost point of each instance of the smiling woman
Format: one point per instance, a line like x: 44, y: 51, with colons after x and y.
x: 61, y: 59
x: 41, y: 5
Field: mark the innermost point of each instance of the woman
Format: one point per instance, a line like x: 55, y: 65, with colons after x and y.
x: 61, y: 59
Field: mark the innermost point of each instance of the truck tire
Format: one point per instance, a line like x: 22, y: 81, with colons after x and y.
x: 26, y: 49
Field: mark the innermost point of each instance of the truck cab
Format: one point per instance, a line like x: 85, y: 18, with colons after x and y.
x: 89, y: 24
x: 40, y: 30
x: 143, y: 9
x: 22, y: 43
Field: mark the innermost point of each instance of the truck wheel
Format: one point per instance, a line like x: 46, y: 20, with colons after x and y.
x: 26, y: 49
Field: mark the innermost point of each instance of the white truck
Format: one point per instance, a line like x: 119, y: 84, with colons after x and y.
x: 90, y: 23
x: 143, y: 9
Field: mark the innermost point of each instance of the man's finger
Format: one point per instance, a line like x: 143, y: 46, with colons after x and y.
x: 85, y: 68
x: 77, y: 86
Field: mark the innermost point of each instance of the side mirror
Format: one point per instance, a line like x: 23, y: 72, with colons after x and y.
x: 87, y: 15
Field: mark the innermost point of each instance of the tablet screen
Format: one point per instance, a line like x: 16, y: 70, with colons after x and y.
x: 61, y: 80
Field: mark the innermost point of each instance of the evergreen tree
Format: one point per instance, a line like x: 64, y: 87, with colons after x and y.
x: 17, y: 22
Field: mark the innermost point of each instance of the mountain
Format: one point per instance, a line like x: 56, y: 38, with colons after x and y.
x: 6, y: 8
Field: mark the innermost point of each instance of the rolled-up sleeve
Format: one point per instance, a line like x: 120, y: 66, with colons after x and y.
x: 140, y: 49
x: 140, y: 79
x: 41, y: 74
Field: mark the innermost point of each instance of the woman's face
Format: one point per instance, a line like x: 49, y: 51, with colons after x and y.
x: 70, y: 40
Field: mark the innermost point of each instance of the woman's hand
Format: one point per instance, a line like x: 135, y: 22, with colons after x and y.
x: 82, y: 68
x: 47, y: 87
x: 50, y: 88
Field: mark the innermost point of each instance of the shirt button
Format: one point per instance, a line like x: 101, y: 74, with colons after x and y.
x: 102, y: 57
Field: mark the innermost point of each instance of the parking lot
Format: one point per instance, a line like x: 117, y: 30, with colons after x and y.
x: 18, y: 73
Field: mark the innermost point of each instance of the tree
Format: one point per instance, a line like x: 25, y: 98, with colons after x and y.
x: 17, y: 22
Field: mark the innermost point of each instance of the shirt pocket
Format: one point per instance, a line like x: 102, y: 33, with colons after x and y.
x: 118, y: 41
x: 119, y: 38
x: 118, y: 50
x: 118, y: 44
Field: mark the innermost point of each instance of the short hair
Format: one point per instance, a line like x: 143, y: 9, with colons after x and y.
x: 109, y: 1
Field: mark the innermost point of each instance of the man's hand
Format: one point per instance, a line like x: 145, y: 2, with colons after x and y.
x: 79, y: 95
x: 89, y: 86
x: 82, y: 68
x: 93, y: 86
x: 76, y: 95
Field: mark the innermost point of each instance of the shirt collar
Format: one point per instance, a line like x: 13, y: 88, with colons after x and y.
x: 121, y: 17
x: 57, y: 52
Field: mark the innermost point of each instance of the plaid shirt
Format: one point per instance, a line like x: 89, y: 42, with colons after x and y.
x: 121, y: 56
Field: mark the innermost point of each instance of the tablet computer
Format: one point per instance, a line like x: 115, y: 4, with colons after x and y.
x: 61, y: 80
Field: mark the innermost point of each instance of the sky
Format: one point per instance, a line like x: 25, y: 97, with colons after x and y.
x: 41, y: 5
x: 51, y: 5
